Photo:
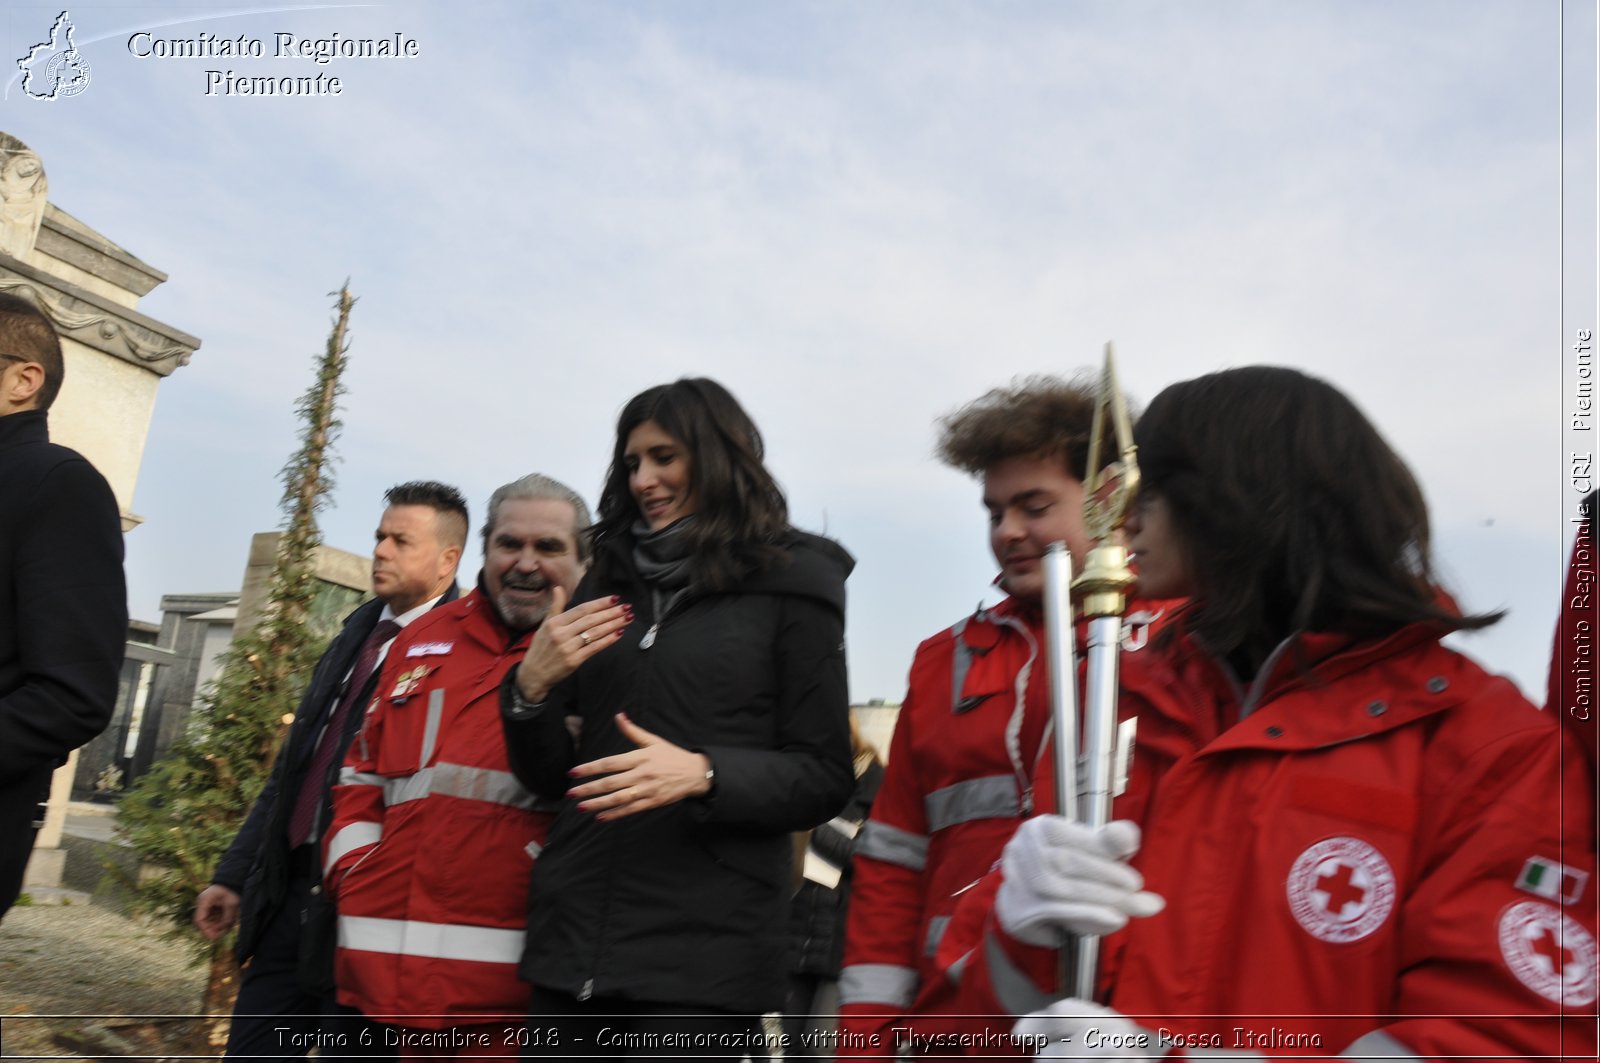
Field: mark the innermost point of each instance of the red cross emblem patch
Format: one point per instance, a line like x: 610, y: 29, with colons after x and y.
x: 1341, y: 890
x: 1549, y: 952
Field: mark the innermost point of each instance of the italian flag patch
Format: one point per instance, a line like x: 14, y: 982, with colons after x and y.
x: 1546, y: 878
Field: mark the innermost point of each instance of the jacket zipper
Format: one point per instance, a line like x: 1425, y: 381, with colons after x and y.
x: 587, y: 989
x: 1013, y: 732
x: 673, y: 605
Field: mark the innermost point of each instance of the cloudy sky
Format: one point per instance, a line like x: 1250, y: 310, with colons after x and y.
x: 857, y: 216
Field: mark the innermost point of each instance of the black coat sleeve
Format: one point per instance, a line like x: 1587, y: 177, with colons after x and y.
x: 808, y: 776
x: 234, y: 865
x: 835, y: 845
x: 538, y: 745
x: 72, y: 616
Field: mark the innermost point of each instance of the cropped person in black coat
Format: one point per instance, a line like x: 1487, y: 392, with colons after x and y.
x: 63, y: 603
x: 704, y: 673
x: 817, y: 915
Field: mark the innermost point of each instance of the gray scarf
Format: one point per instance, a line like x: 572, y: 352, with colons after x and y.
x: 662, y: 558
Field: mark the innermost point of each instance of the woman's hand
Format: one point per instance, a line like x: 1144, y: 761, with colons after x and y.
x: 657, y: 773
x: 567, y: 639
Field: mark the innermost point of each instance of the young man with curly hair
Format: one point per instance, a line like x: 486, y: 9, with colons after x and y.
x: 967, y: 744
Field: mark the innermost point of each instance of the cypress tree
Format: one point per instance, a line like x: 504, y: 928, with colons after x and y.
x: 182, y: 814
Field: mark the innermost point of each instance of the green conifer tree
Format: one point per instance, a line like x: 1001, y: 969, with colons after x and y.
x: 182, y: 814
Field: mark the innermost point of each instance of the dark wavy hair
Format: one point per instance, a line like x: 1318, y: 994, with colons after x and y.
x: 1293, y: 512
x: 741, y: 516
x: 1036, y: 417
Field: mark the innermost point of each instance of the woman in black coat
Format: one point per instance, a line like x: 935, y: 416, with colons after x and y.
x: 693, y: 709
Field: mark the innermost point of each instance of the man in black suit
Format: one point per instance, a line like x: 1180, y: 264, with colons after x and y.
x: 269, y: 879
x: 63, y: 604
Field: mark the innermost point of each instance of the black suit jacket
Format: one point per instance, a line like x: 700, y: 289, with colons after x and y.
x: 256, y: 865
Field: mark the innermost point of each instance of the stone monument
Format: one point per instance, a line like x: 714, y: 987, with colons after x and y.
x: 115, y: 358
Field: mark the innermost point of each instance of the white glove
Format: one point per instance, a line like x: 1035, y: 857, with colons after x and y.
x: 1064, y: 878
x: 1079, y: 1029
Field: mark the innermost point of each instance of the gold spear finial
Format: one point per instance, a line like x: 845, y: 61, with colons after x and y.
x: 1108, y: 494
x: 1112, y: 486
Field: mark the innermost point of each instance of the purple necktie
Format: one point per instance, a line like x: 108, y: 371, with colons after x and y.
x: 314, y: 787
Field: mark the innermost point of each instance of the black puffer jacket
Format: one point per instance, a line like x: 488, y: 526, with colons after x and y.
x: 687, y: 904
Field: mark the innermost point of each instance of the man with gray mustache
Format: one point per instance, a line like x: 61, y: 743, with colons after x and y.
x: 432, y: 839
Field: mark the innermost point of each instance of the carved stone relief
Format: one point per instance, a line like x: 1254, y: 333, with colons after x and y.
x: 23, y: 188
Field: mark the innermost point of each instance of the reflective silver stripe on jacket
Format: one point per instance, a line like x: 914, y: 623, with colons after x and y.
x: 1377, y: 1044
x: 954, y: 972
x: 893, y: 845
x: 1014, y: 990
x: 440, y: 941
x: 459, y: 780
x: 989, y: 797
x: 351, y: 777
x: 430, y: 728
x: 351, y: 838
x: 877, y: 983
x: 936, y: 928
x: 960, y: 662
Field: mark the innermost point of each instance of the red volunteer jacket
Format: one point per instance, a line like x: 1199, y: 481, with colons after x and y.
x: 960, y: 778
x: 1392, y: 857
x: 432, y: 838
